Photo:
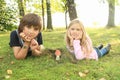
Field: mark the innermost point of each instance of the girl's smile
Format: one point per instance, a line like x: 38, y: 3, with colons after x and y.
x: 75, y: 31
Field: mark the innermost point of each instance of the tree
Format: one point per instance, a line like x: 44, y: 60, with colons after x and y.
x: 7, y: 16
x: 21, y: 8
x: 43, y: 14
x: 71, y: 9
x: 49, y: 19
x: 111, y: 16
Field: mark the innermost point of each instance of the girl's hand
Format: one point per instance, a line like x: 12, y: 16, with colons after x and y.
x: 25, y: 37
x: 78, y: 36
x: 71, y: 38
x: 69, y: 35
x: 34, y: 45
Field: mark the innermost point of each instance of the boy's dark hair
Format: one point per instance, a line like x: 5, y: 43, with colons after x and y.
x: 29, y: 20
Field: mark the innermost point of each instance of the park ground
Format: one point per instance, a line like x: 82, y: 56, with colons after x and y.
x: 46, y: 67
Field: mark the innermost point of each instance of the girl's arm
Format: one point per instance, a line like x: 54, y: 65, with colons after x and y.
x: 77, y: 50
x: 20, y: 53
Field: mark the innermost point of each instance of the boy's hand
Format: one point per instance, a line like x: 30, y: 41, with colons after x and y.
x: 25, y: 37
x: 34, y: 45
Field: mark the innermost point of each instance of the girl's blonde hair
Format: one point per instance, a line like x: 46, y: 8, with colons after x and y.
x: 85, y: 42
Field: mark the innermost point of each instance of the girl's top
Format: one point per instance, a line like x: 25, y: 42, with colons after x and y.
x: 15, y: 40
x: 79, y: 53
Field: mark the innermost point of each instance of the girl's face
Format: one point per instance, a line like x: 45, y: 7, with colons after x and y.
x: 75, y: 31
x: 31, y: 32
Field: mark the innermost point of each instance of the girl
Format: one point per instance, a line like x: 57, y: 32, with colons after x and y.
x: 80, y: 44
x: 27, y: 40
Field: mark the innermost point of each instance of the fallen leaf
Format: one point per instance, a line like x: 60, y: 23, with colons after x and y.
x: 1, y: 57
x: 7, y: 76
x: 101, y: 69
x: 82, y: 74
x: 102, y: 79
x: 86, y: 71
x: 12, y: 62
x: 9, y: 71
x: 67, y: 74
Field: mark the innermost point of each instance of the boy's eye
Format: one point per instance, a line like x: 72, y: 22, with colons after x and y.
x: 35, y: 28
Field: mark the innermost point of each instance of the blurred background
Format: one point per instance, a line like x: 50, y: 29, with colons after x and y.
x: 58, y: 13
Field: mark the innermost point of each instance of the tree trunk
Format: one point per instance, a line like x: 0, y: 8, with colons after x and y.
x: 43, y: 14
x: 111, y: 16
x: 71, y: 9
x: 49, y: 19
x: 21, y: 8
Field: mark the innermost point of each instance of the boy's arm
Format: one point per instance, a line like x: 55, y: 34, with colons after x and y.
x: 36, y: 49
x: 20, y: 53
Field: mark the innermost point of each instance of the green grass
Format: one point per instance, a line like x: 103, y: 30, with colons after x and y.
x: 46, y: 68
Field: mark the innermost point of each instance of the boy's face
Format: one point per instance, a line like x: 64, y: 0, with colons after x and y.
x: 31, y: 31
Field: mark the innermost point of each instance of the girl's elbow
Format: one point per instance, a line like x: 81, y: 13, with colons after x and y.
x: 78, y: 57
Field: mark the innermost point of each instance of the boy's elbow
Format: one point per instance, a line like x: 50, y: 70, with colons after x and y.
x: 19, y: 58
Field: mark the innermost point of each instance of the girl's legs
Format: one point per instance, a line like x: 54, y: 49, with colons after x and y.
x: 102, y: 51
x: 105, y: 50
x: 100, y: 46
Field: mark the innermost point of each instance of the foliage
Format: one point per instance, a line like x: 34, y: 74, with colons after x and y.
x: 63, y: 4
x: 7, y: 17
x: 35, y: 6
x: 56, y: 6
x: 46, y: 68
x: 110, y: 1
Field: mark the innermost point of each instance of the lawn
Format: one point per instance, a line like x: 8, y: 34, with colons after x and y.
x: 46, y: 67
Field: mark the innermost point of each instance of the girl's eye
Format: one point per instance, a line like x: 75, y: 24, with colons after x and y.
x: 72, y: 28
x: 78, y: 29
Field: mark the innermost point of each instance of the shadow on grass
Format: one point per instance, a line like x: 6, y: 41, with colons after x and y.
x: 65, y: 55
